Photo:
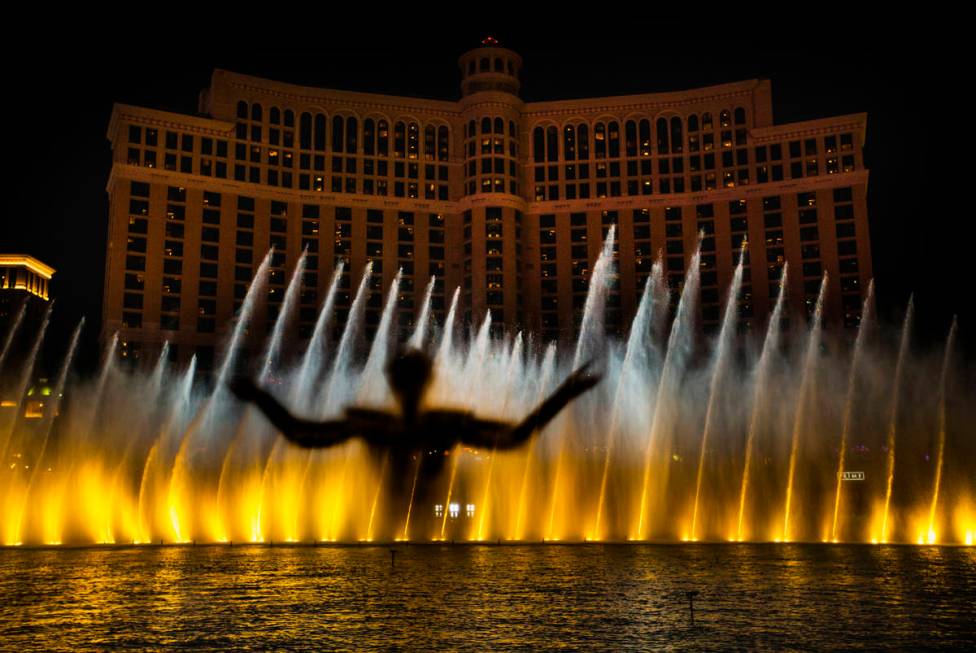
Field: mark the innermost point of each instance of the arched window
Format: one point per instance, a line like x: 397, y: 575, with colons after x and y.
x: 630, y: 138
x: 289, y: 118
x: 242, y: 109
x: 256, y: 112
x: 538, y: 144
x: 430, y: 142
x: 569, y: 143
x: 471, y: 67
x: 499, y: 66
x: 740, y: 116
x: 443, y: 143
x: 552, y: 144
x: 613, y: 139
x: 413, y: 140
x: 352, y: 133
x: 512, y: 129
x: 484, y: 65
x: 499, y: 126
x: 725, y: 118
x: 305, y: 131
x: 382, y: 138
x: 337, y: 128
x: 676, y: 137
x: 600, y: 141
x: 472, y: 129
x: 319, y: 131
x: 645, y: 137
x: 274, y: 115
x: 693, y: 123
x: 662, y: 136
x: 707, y: 121
x: 583, y: 141
x: 369, y: 136
x: 485, y: 125
x: 399, y: 140
x: 511, y: 68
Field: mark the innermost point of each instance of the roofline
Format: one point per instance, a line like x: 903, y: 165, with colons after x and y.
x: 182, y: 120
x: 29, y: 262
x: 856, y: 121
x: 681, y: 96
x: 316, y: 93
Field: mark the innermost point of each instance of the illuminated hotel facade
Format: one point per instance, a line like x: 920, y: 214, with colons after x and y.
x: 508, y: 201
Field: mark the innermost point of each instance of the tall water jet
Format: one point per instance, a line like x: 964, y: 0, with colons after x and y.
x: 347, y: 342
x: 679, y: 346
x: 799, y: 418
x: 258, y: 284
x: 45, y: 434
x: 20, y: 388
x: 511, y: 378
x: 589, y: 342
x: 893, y: 421
x: 420, y: 332
x: 181, y: 509
x: 637, y: 346
x: 931, y: 535
x: 314, y: 358
x: 373, y: 388
x: 271, y: 365
x: 447, y: 341
x: 718, y: 377
x: 591, y: 335
x: 474, y: 363
x: 770, y: 345
x: 849, y: 407
x: 272, y: 355
x: 14, y: 328
x: 548, y: 371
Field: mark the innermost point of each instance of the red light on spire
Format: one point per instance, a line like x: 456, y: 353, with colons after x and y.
x: 489, y: 40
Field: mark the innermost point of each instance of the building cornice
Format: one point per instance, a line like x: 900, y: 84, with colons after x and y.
x: 308, y: 95
x: 655, y: 101
x: 684, y: 199
x: 29, y: 262
x: 165, y: 120
x: 855, y: 122
x: 171, y: 178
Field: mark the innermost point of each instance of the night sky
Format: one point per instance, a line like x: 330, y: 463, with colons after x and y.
x: 58, y: 158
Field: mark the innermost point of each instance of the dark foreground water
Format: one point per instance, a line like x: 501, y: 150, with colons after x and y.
x: 592, y: 597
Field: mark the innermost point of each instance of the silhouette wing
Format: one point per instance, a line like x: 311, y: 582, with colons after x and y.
x: 504, y: 435
x: 303, y: 432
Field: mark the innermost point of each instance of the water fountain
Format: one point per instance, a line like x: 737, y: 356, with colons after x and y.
x: 687, y: 437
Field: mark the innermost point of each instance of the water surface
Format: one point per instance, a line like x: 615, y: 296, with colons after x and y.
x: 526, y: 597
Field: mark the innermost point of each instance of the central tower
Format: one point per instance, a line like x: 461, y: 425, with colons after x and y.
x: 492, y: 113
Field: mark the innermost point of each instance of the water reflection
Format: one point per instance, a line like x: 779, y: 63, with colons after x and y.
x: 488, y: 597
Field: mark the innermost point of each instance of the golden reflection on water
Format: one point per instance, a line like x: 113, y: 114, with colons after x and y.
x: 477, y: 597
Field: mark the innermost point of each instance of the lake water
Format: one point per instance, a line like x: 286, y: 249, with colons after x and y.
x: 477, y: 598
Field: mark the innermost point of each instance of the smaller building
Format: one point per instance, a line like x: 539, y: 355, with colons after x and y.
x: 22, y: 279
x: 24, y: 285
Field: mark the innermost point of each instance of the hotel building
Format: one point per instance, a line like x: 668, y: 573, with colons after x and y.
x: 507, y: 200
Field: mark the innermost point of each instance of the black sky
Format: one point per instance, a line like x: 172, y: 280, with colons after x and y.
x: 57, y: 157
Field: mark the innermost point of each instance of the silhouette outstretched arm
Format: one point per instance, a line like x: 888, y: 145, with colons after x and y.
x: 305, y: 433
x: 504, y: 435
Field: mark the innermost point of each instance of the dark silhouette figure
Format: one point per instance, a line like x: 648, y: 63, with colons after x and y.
x: 417, y: 440
x: 415, y: 429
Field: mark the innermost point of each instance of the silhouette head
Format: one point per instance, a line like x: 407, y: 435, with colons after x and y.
x: 409, y: 374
